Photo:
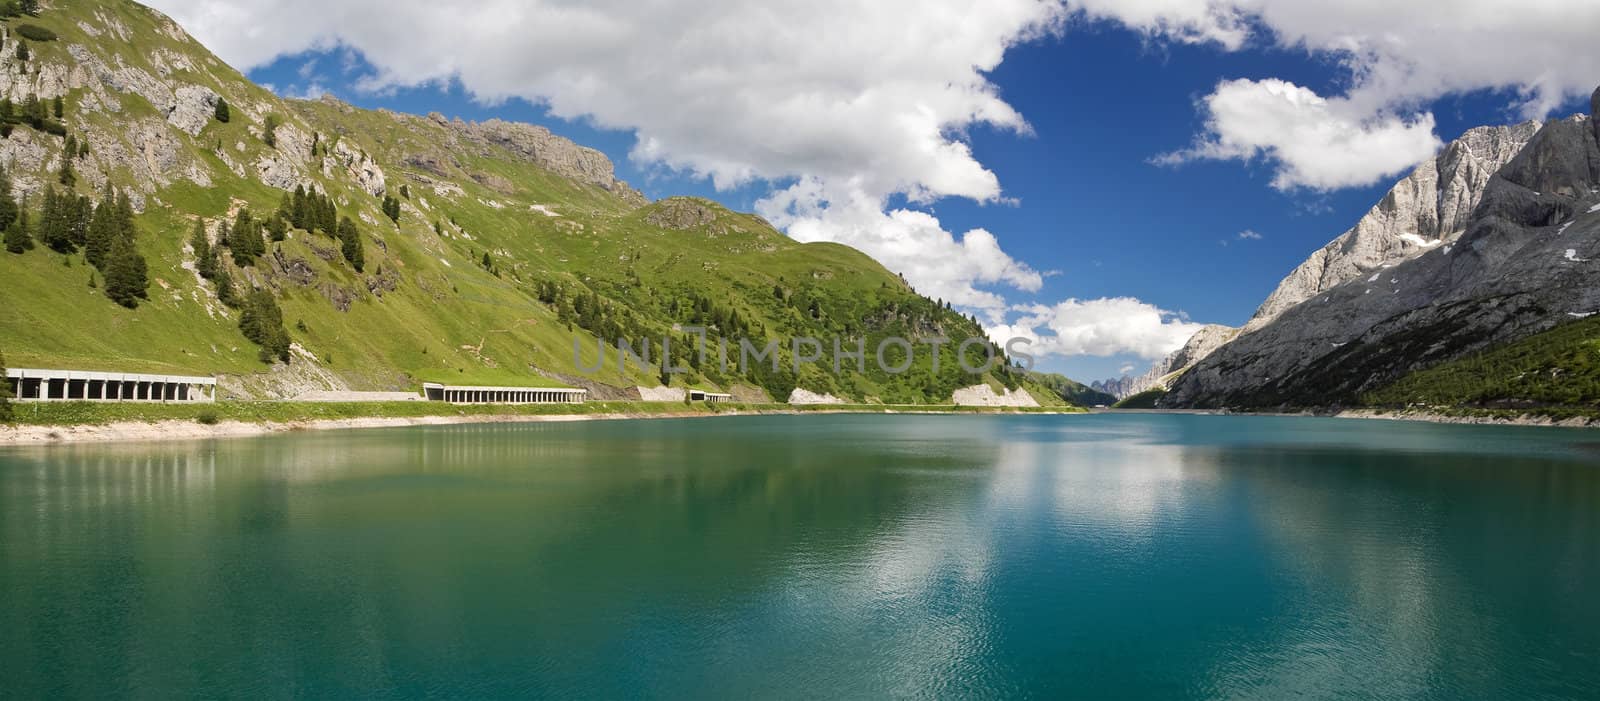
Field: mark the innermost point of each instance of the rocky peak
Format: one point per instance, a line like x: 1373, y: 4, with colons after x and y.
x: 682, y: 213
x: 1430, y: 207
x: 1117, y: 387
x: 1523, y: 264
x: 538, y: 145
x: 1199, y: 346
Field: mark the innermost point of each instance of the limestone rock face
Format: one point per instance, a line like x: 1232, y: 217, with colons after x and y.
x: 803, y: 396
x: 277, y: 171
x: 538, y: 145
x: 360, y: 168
x: 661, y: 394
x: 984, y: 395
x: 1528, y: 259
x: 1204, y: 342
x: 193, y: 108
x: 1429, y: 208
x: 681, y: 213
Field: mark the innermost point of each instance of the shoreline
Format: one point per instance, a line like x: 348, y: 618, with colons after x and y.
x: 1468, y: 420
x: 176, y: 429
x: 36, y: 435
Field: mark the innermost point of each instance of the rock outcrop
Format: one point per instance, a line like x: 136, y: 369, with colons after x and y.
x: 1199, y: 346
x: 660, y: 394
x: 193, y: 107
x: 1526, y: 261
x: 1118, y: 387
x: 553, y: 153
x: 801, y: 395
x: 984, y: 395
x: 1429, y: 208
x: 682, y: 213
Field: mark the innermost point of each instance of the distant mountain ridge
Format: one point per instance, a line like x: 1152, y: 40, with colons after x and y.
x: 1520, y: 262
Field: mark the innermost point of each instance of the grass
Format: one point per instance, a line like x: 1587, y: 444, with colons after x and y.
x: 448, y: 319
x: 1555, y: 373
x: 1143, y: 400
x: 94, y: 414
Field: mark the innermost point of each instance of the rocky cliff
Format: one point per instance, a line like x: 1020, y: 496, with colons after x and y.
x: 1119, y: 387
x: 1430, y: 207
x: 1523, y: 263
x: 1199, y: 347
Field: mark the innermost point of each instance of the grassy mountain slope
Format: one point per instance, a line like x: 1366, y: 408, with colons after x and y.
x: 1556, y: 372
x: 570, y: 252
x: 1072, y: 391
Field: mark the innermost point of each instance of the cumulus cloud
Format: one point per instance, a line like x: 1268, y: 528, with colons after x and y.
x: 869, y: 99
x: 849, y: 105
x: 1099, y: 327
x: 1399, y: 56
x: 1250, y: 235
x: 1317, y: 143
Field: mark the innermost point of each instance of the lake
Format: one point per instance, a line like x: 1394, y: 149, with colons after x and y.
x: 830, y: 556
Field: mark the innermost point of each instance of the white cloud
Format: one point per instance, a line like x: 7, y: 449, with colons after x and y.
x: 1099, y: 327
x: 1250, y: 235
x: 857, y: 102
x: 1317, y: 143
x: 1399, y: 56
x: 867, y: 100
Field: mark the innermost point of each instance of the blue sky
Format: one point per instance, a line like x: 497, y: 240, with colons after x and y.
x: 1082, y: 210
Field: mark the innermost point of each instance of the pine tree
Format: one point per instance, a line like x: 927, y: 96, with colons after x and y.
x: 262, y: 323
x: 65, y: 175
x: 245, y: 240
x: 29, y: 7
x: 18, y: 238
x: 204, y: 262
x: 22, y: 51
x: 300, y: 212
x: 277, y: 229
x: 55, y: 226
x: 391, y: 209
x: 127, y: 279
x: 59, y: 107
x: 101, y: 232
x: 223, y: 114
x: 8, y: 204
x: 350, y: 244
x: 224, y: 283
x: 78, y: 211
x: 269, y: 131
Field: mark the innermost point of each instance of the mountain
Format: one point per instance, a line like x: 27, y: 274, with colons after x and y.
x: 1523, y: 264
x: 1203, y: 343
x: 1430, y: 207
x: 1072, y: 391
x: 1199, y: 346
x: 475, y: 253
x: 1116, y: 387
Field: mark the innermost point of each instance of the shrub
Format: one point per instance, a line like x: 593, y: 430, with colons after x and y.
x: 34, y: 32
x: 207, y: 417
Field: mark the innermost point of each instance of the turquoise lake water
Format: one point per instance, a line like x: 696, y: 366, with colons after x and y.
x: 828, y: 557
